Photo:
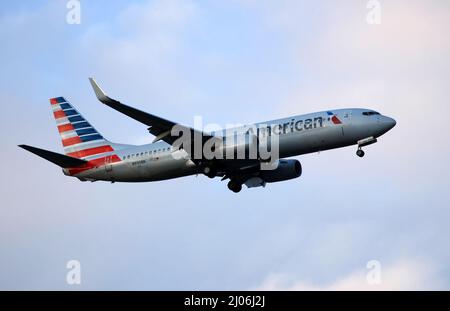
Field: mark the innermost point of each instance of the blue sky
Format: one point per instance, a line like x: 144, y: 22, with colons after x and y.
x: 230, y: 62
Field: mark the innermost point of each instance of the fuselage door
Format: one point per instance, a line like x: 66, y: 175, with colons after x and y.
x: 108, y: 163
x: 346, y: 119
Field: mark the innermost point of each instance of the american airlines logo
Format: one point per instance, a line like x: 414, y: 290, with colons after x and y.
x: 333, y: 118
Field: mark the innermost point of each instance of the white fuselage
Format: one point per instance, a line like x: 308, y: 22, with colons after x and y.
x: 298, y: 135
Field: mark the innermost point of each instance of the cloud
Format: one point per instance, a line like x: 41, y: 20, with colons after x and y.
x: 142, y: 44
x: 237, y: 60
x: 352, y: 63
x: 153, y: 16
x: 399, y: 68
x: 404, y: 274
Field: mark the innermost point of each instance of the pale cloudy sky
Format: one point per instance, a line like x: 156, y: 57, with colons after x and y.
x: 229, y: 61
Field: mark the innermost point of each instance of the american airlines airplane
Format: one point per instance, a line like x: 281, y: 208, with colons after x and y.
x: 90, y: 157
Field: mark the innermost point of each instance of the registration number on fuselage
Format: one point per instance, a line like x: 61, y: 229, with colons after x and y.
x: 140, y: 162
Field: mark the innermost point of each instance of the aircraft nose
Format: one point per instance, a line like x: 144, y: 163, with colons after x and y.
x: 391, y: 122
x: 388, y: 123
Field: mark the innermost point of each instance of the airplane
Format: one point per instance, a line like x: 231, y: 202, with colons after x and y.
x: 90, y: 157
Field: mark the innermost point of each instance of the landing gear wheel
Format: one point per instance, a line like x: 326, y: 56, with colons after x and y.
x: 210, y: 172
x: 360, y: 153
x: 234, y: 186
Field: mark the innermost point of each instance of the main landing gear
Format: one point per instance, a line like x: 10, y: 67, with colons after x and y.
x: 234, y: 186
x: 209, y: 171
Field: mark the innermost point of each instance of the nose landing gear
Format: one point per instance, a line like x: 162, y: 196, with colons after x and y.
x: 364, y: 142
x: 360, y: 153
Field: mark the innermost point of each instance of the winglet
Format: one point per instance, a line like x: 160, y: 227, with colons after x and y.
x: 101, y: 95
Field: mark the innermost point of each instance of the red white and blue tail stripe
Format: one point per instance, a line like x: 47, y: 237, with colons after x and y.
x: 79, y: 138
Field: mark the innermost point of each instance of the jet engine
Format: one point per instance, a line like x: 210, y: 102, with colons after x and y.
x: 286, y: 169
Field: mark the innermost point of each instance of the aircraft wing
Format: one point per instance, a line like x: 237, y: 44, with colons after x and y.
x: 158, y: 126
x: 162, y: 128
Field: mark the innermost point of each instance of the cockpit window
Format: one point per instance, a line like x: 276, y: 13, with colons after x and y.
x: 370, y: 113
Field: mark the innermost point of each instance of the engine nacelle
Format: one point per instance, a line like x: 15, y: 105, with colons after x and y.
x: 287, y: 169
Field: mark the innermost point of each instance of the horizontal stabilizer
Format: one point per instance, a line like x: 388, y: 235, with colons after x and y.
x: 56, y: 158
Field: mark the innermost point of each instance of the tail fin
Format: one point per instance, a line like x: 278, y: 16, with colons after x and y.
x: 79, y: 138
